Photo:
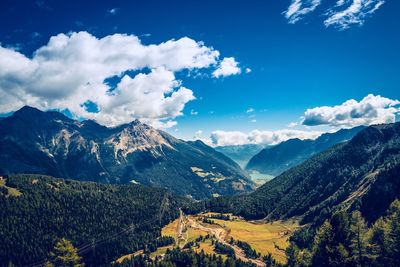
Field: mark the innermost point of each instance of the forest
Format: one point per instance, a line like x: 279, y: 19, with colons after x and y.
x: 101, y: 221
x: 348, y: 240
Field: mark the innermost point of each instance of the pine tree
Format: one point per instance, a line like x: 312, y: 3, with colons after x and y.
x: 64, y: 254
x: 378, y: 241
x: 393, y: 236
x: 295, y: 256
x: 327, y: 250
x: 358, y: 239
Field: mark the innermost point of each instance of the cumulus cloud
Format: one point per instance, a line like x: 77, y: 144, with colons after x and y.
x: 228, y: 66
x: 354, y: 13
x: 71, y: 70
x: 225, y: 138
x: 248, y: 70
x: 299, y: 8
x: 370, y: 110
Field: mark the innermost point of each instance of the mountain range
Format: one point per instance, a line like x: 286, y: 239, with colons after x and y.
x: 362, y: 173
x: 274, y: 160
x: 33, y: 141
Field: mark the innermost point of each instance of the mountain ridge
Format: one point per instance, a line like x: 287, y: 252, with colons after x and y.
x: 276, y: 159
x: 33, y: 141
x: 349, y: 175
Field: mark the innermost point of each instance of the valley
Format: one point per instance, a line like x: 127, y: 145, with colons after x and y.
x: 202, y: 231
x: 135, y: 224
x: 260, y: 178
x: 200, y: 133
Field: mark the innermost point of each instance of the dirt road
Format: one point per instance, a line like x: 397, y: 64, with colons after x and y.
x: 221, y: 234
x: 181, y: 240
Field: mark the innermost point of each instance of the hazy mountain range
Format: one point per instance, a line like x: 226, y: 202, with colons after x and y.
x: 241, y: 154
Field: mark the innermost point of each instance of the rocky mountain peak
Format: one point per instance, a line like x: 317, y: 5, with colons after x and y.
x: 50, y: 143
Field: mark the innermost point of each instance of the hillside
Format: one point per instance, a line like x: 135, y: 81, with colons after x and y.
x: 277, y: 159
x: 349, y: 175
x: 32, y: 141
x: 102, y: 221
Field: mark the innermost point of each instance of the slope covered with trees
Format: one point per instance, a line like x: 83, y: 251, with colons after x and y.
x: 182, y: 258
x: 102, y: 221
x: 351, y: 175
x: 348, y: 240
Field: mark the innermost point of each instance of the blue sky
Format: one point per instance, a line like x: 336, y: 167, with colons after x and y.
x: 294, y: 66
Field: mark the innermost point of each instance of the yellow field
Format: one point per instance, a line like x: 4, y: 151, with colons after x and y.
x: 12, y: 192
x: 194, y: 233
x: 170, y: 229
x: 188, y: 233
x: 160, y: 251
x: 128, y: 256
x: 208, y: 249
x: 263, y: 237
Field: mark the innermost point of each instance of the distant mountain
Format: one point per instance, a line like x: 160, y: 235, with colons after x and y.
x: 241, y: 154
x: 277, y: 159
x: 362, y: 173
x: 32, y: 141
x: 102, y: 221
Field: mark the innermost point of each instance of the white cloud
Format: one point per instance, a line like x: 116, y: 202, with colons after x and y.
x: 299, y: 8
x: 354, y: 13
x: 370, y: 110
x: 113, y: 11
x: 225, y: 138
x: 247, y: 70
x: 342, y: 15
x: 193, y: 112
x: 250, y: 110
x: 253, y: 120
x: 70, y: 70
x: 228, y: 66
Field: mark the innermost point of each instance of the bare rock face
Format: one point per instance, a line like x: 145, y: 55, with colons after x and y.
x: 32, y: 141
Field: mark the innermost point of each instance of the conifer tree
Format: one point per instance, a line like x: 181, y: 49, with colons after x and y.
x: 64, y: 254
x: 358, y: 239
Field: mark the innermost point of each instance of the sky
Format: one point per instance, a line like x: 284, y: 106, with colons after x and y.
x: 226, y: 72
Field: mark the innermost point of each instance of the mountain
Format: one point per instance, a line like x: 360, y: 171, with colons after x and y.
x: 241, y: 154
x: 32, y: 141
x: 362, y: 173
x: 277, y: 159
x: 102, y: 221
